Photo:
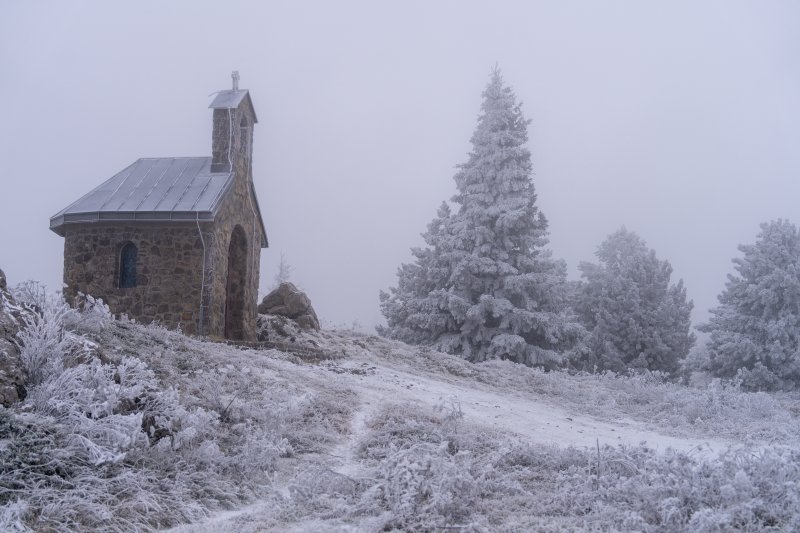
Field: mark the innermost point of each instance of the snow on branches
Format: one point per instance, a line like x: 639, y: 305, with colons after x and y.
x: 755, y: 331
x: 485, y: 286
x: 635, y: 317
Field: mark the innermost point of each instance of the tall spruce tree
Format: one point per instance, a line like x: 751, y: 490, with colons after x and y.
x: 635, y: 317
x: 485, y: 286
x: 755, y: 331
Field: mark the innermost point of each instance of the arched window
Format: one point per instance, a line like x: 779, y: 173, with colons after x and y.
x: 127, y: 266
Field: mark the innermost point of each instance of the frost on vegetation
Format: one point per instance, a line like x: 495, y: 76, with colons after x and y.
x: 426, y: 471
x: 485, y: 286
x: 755, y: 331
x: 720, y: 408
x: 102, y: 441
x: 131, y: 427
x: 284, y: 273
x: 320, y: 419
x: 635, y: 317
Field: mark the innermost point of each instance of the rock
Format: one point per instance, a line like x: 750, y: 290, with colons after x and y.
x: 289, y: 301
x: 277, y: 328
x: 308, y: 321
x: 12, y: 374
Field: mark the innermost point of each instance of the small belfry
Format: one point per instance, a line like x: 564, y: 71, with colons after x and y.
x: 175, y: 239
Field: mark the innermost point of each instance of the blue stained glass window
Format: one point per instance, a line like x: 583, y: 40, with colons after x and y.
x: 127, y: 266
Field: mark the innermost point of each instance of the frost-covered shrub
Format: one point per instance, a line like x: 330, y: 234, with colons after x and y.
x: 324, y: 492
x: 488, y: 482
x: 32, y: 294
x: 120, y: 445
x: 424, y: 486
x: 48, y: 473
x: 318, y: 420
x: 424, y: 472
x: 400, y: 426
x: 94, y: 315
x: 45, y: 343
x: 635, y: 488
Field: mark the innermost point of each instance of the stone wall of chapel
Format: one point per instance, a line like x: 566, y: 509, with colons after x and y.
x: 168, y: 270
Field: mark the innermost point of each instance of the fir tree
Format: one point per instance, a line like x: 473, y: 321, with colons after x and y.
x: 755, y: 331
x: 635, y: 318
x: 284, y: 272
x: 485, y: 286
x: 416, y: 310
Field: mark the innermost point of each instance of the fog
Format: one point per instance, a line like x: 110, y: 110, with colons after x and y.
x: 679, y: 120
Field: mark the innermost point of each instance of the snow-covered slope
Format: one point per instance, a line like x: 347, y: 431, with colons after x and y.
x: 339, y: 431
x: 501, y: 402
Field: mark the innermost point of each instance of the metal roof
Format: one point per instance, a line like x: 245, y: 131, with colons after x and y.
x: 152, y: 189
x: 231, y: 99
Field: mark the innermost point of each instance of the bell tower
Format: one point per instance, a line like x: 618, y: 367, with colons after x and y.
x: 232, y: 135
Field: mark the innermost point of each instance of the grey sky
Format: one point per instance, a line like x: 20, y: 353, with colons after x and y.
x: 680, y: 120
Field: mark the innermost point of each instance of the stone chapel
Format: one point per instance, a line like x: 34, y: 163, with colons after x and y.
x: 175, y: 239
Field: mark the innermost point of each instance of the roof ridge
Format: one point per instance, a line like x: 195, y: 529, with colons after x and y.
x: 175, y: 157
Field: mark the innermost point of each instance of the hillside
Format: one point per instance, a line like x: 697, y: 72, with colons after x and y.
x: 137, y: 427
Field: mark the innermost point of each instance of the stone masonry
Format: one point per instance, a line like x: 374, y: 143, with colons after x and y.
x: 168, y: 270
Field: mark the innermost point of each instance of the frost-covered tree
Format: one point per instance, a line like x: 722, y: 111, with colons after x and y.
x: 755, y: 331
x: 635, y: 317
x: 485, y: 286
x: 416, y: 310
x: 284, y: 272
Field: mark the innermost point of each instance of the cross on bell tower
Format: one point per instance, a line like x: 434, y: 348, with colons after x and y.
x: 235, y: 78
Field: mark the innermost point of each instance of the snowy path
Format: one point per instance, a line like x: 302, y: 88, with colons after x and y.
x: 507, y: 411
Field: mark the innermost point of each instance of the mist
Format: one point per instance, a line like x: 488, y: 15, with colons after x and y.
x: 679, y: 120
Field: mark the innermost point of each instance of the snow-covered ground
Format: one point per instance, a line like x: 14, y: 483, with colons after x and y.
x: 383, y: 374
x: 515, y: 412
x: 370, y: 434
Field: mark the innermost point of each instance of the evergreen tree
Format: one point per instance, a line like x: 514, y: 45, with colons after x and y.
x: 416, y: 310
x: 635, y: 318
x: 486, y: 287
x: 755, y: 331
x: 284, y: 272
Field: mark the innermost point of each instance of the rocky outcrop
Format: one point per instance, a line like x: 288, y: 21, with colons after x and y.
x: 276, y: 328
x: 12, y: 375
x: 289, y: 301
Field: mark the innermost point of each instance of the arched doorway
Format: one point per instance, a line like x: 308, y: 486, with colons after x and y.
x: 235, y: 285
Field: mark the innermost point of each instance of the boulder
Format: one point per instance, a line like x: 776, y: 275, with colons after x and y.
x: 289, y: 301
x: 277, y: 328
x: 12, y: 374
